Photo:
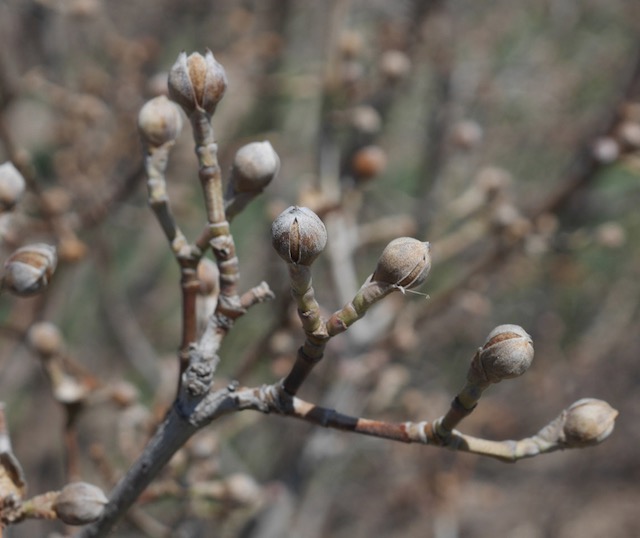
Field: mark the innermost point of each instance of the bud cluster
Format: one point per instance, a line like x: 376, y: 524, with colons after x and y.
x: 197, y: 83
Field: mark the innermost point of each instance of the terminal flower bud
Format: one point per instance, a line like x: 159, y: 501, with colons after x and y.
x: 29, y: 269
x: 254, y: 166
x: 12, y: 186
x: 79, y: 503
x: 298, y: 235
x: 587, y: 422
x: 405, y: 262
x: 159, y: 122
x: 507, y: 353
x: 197, y: 82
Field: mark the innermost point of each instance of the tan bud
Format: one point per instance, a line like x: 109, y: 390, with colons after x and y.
x: 254, y: 166
x: 124, y: 393
x: 587, y: 422
x: 507, y: 353
x: 243, y: 488
x: 394, y: 65
x: 197, y: 82
x: 350, y: 44
x: 79, y: 503
x: 467, y: 134
x: 298, y: 235
x: 45, y: 338
x: 368, y: 162
x: 12, y: 186
x: 629, y: 134
x: 159, y: 122
x: 56, y: 200
x: 71, y: 249
x: 404, y: 262
x: 29, y: 269
x: 366, y: 119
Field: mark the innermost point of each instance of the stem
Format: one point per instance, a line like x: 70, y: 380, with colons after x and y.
x: 219, y: 234
x: 172, y: 434
x: 312, y: 350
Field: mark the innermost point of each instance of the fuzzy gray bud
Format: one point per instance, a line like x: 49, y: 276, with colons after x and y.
x: 405, y: 262
x: 12, y: 186
x: 79, y: 503
x: 507, y: 353
x: 587, y: 422
x: 29, y: 269
x: 197, y: 82
x: 254, y: 166
x: 298, y: 235
x: 159, y: 122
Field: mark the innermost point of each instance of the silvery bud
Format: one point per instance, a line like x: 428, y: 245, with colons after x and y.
x: 507, y: 353
x: 197, y: 82
x: 12, y: 186
x: 159, y: 122
x: 298, y: 235
x: 587, y: 422
x: 29, y: 269
x: 254, y: 166
x: 79, y: 503
x: 45, y: 338
x: 405, y: 262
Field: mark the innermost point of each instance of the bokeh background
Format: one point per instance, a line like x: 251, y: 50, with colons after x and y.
x: 505, y: 133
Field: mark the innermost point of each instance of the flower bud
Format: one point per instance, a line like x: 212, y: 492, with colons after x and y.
x: 159, y: 122
x: 395, y: 65
x: 404, y: 262
x: 254, y: 166
x: 29, y: 269
x: 368, y: 162
x: 606, y: 150
x: 45, y: 338
x: 79, y: 503
x: 12, y: 186
x: 298, y: 235
x: 587, y: 422
x: 507, y: 353
x: 197, y: 82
